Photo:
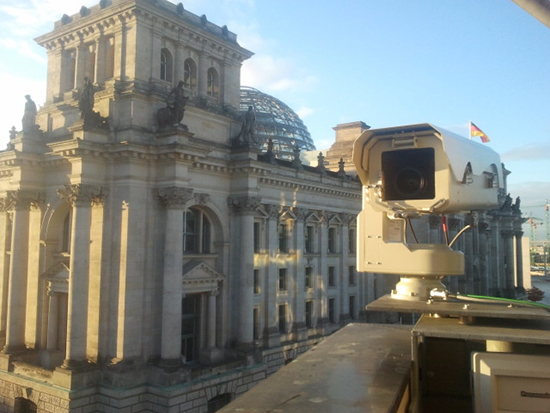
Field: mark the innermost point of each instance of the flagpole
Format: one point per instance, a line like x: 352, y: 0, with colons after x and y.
x: 470, y: 128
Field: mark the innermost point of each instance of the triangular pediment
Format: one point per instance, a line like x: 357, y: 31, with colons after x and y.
x: 57, y: 278
x: 335, y: 220
x: 288, y: 215
x: 58, y: 272
x: 200, y: 277
x: 313, y: 217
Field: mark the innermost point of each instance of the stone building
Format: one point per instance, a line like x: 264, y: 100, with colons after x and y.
x: 154, y: 262
x: 152, y: 256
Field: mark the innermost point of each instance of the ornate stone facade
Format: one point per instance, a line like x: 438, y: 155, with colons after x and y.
x: 159, y: 268
x: 164, y: 269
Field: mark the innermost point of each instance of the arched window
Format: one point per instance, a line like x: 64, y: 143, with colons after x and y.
x: 212, y: 89
x: 196, y: 232
x: 189, y: 74
x: 165, y: 65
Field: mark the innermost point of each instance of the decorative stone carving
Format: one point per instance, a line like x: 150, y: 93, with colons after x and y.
x: 247, y: 136
x: 21, y: 199
x: 174, y: 197
x: 201, y: 199
x: 82, y: 194
x: 272, y: 211
x: 244, y: 204
x: 172, y: 114
x: 296, y: 162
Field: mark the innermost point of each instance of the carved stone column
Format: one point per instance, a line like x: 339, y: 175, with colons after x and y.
x: 53, y: 322
x: 519, y: 261
x: 245, y: 207
x: 509, y: 274
x: 322, y: 280
x: 211, y: 325
x: 271, y: 332
x: 20, y: 202
x: 174, y: 199
x: 296, y: 290
x: 80, y: 196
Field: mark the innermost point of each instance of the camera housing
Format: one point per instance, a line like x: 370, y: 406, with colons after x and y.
x: 411, y: 171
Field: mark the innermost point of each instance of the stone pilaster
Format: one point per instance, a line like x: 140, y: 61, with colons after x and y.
x: 518, y: 234
x: 80, y: 196
x: 299, y: 328
x: 20, y: 202
x: 5, y: 245
x: 322, y: 277
x: 174, y: 199
x: 34, y: 285
x: 96, y: 275
x: 53, y: 322
x: 244, y: 208
x: 509, y: 256
x: 271, y: 333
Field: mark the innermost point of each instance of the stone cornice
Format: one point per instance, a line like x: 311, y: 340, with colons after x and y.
x: 88, y: 28
x: 308, y: 187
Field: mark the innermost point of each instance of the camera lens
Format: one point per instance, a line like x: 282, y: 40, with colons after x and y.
x: 409, y: 182
x: 408, y: 174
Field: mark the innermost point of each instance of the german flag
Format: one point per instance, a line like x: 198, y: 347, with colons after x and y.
x: 475, y: 131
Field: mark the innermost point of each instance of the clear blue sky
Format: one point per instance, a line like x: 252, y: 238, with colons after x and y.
x: 385, y: 62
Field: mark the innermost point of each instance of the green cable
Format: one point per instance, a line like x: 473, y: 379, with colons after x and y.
x: 509, y: 300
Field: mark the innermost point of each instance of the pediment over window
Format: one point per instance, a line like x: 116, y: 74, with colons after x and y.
x: 57, y: 278
x: 199, y: 277
x: 313, y: 217
x: 335, y: 219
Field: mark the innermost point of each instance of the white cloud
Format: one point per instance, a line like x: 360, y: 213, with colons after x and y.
x: 528, y: 152
x: 16, y: 87
x: 269, y: 73
x: 304, y: 111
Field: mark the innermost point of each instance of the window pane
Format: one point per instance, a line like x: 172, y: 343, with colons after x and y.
x: 189, y: 231
x: 205, y: 235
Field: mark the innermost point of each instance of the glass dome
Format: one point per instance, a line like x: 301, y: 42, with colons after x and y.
x: 277, y: 121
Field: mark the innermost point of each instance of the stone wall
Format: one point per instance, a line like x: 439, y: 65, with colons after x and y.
x: 190, y: 397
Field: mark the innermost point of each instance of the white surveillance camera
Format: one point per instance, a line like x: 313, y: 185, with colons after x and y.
x: 425, y: 169
x: 415, y: 170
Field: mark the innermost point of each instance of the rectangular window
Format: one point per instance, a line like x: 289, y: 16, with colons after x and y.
x: 308, y: 281
x: 308, y: 239
x: 352, y: 241
x: 331, y: 310
x: 256, y: 237
x: 352, y: 307
x: 331, y: 276
x: 282, y: 279
x: 351, y: 274
x: 283, y: 235
x: 257, y: 285
x: 332, y: 240
x: 282, y: 318
x: 309, y: 314
x: 256, y: 327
